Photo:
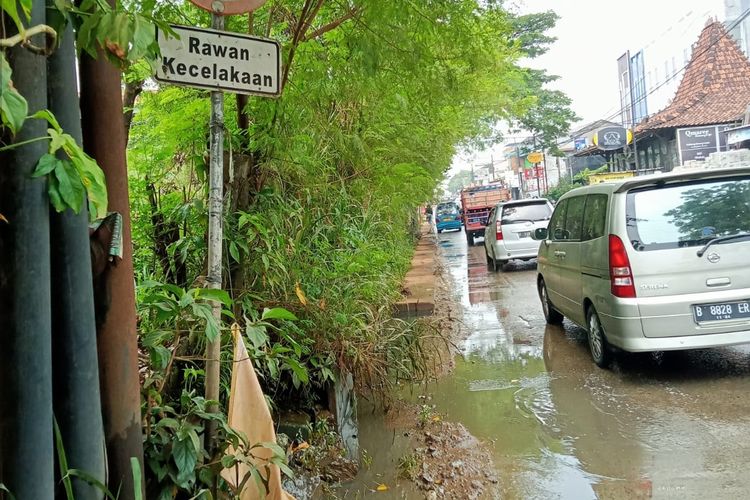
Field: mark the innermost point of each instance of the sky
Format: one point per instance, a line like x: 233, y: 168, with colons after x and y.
x: 591, y: 35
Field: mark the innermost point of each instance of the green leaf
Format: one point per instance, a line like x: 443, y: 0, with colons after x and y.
x: 86, y: 37
x: 45, y: 165
x: 135, y: 464
x: 13, y: 107
x: 9, y: 6
x: 185, y: 457
x: 62, y: 461
x: 257, y: 335
x: 278, y: 313
x: 228, y: 461
x: 58, y: 140
x: 298, y: 371
x: 92, y: 178
x: 70, y: 187
x: 85, y: 476
x: 234, y: 252
x: 53, y: 191
x: 45, y: 114
x: 168, y: 422
x: 215, y: 294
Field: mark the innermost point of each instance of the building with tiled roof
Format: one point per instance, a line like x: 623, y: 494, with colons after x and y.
x: 713, y: 95
x: 715, y: 87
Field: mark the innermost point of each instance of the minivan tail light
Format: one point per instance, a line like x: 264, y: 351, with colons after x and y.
x: 620, y: 272
x: 498, y: 231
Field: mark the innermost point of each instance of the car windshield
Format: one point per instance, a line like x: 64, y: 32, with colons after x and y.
x: 526, y: 212
x: 448, y: 209
x: 688, y: 214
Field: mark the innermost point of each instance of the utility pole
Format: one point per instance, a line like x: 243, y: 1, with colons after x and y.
x: 536, y: 173
x: 215, y: 239
x: 632, y: 112
x: 103, y: 127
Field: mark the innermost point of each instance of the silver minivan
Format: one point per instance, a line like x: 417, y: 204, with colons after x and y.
x: 510, y: 230
x: 651, y: 263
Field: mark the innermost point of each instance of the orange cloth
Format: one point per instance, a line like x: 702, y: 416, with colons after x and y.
x: 249, y: 414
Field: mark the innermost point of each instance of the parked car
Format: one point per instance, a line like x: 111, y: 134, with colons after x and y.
x: 447, y: 216
x: 652, y: 263
x: 510, y: 229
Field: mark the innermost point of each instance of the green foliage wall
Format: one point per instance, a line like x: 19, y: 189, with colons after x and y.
x: 324, y: 182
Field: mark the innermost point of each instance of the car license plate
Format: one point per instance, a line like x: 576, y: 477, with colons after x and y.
x: 722, y: 311
x: 524, y: 234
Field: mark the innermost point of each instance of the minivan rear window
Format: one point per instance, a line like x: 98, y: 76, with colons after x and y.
x: 526, y: 212
x: 688, y: 214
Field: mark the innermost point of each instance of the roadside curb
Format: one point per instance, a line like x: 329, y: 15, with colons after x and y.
x: 419, y: 284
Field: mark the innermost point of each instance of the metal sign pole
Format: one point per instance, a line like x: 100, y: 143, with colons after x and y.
x: 215, y: 237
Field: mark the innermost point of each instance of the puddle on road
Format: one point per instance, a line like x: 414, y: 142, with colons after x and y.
x: 670, y: 426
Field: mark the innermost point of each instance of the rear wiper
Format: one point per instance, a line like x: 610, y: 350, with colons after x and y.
x: 720, y: 239
x: 514, y: 221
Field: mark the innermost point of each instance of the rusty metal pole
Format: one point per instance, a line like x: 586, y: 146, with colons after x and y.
x: 104, y: 139
x: 215, y: 239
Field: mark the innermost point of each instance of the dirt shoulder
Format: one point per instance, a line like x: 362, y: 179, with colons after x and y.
x: 447, y: 461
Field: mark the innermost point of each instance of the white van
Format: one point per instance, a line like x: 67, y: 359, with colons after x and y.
x: 651, y: 263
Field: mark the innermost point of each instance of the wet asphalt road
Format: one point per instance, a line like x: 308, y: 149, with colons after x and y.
x: 675, y: 425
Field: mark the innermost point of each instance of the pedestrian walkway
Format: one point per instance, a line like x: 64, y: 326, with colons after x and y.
x: 419, y: 283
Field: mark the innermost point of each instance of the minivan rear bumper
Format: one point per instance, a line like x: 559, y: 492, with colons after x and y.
x: 667, y: 324
x: 643, y: 344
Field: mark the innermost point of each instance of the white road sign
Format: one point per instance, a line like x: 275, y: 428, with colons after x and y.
x: 211, y: 59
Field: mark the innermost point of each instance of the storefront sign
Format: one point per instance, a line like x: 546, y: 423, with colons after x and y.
x: 612, y: 138
x: 610, y: 176
x: 535, y: 157
x: 696, y: 143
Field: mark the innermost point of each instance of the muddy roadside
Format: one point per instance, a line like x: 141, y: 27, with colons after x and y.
x: 408, y: 450
x: 447, y: 461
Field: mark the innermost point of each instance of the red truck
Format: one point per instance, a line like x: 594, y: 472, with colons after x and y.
x: 476, y: 203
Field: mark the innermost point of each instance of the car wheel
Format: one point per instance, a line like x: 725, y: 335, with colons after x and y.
x: 439, y: 231
x: 487, y: 256
x: 598, y: 344
x: 470, y: 239
x: 551, y: 315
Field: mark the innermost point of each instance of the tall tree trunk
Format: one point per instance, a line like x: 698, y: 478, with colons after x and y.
x: 131, y: 93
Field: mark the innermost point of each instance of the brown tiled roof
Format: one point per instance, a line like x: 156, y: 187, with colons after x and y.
x: 715, y: 87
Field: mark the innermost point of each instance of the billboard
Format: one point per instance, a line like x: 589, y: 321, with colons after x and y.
x: 696, y: 143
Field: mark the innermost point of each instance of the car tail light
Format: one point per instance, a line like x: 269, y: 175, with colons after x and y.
x: 620, y: 272
x: 498, y: 231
